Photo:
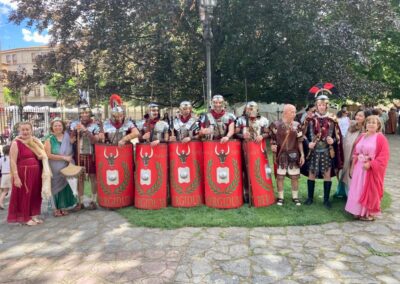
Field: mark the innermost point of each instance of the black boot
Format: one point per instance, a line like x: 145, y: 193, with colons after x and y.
x: 327, y: 192
x: 310, y: 188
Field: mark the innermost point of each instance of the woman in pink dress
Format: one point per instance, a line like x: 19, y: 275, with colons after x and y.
x: 26, y: 171
x: 370, y: 159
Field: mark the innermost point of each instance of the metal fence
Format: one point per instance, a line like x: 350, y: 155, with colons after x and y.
x: 40, y: 117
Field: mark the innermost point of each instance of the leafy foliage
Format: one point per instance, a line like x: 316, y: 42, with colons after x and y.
x: 383, y: 67
x: 18, y: 84
x: 152, y: 49
x: 10, y: 97
x: 284, y: 47
x: 62, y: 87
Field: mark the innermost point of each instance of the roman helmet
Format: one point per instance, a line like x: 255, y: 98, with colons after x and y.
x: 185, y: 104
x: 217, y: 98
x: 251, y: 109
x: 322, y: 91
x: 83, y: 104
x: 116, y: 107
x: 151, y: 110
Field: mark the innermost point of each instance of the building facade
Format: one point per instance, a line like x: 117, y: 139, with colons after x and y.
x: 3, y: 66
x: 24, y: 58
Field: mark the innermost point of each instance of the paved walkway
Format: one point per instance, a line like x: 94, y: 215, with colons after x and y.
x: 101, y: 247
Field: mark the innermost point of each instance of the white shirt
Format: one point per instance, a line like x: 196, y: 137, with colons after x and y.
x: 5, y: 165
x: 344, y: 123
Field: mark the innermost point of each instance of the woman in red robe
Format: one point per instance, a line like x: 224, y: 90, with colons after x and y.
x: 370, y: 159
x: 391, y: 124
x: 26, y: 170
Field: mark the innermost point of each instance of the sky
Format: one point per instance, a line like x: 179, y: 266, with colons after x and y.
x: 16, y: 36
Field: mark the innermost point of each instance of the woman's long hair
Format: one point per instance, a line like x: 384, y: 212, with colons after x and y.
x: 355, y: 127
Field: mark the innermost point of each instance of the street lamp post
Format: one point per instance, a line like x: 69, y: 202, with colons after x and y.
x: 206, y: 15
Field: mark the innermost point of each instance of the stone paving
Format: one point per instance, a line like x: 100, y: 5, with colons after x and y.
x: 101, y: 247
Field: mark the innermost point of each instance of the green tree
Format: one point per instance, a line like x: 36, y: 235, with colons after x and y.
x: 62, y: 87
x: 382, y: 65
x: 151, y: 49
x: 282, y: 48
x: 10, y: 97
x: 18, y: 85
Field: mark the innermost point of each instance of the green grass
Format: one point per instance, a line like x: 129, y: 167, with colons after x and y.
x: 86, y: 189
x: 287, y: 215
x: 380, y: 253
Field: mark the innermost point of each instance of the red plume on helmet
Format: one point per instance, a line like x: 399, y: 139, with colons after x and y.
x: 116, y: 105
x: 115, y: 101
x: 322, y: 89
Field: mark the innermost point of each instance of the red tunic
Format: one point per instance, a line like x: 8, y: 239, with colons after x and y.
x: 26, y: 201
x: 391, y: 123
x: 373, y: 187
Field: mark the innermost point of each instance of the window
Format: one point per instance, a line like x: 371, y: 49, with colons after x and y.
x: 14, y: 58
x: 37, y: 91
x: 35, y: 72
x: 8, y: 59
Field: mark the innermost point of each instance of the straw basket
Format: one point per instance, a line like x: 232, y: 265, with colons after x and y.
x: 72, y: 170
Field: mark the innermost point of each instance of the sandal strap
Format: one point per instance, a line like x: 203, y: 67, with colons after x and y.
x: 92, y: 206
x: 78, y: 207
x: 57, y: 213
x: 31, y: 223
x: 37, y: 220
x: 369, y: 218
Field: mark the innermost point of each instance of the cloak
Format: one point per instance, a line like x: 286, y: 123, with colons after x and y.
x: 373, y: 187
x: 337, y: 161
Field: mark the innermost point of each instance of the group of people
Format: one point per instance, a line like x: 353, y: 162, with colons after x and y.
x: 390, y: 120
x: 314, y: 147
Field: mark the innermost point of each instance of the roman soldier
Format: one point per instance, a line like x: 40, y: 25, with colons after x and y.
x: 185, y: 126
x: 152, y: 129
x: 251, y: 126
x: 222, y: 157
x: 217, y: 124
x: 118, y: 129
x: 151, y: 169
x: 324, y: 140
x: 287, y: 147
x: 85, y: 132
